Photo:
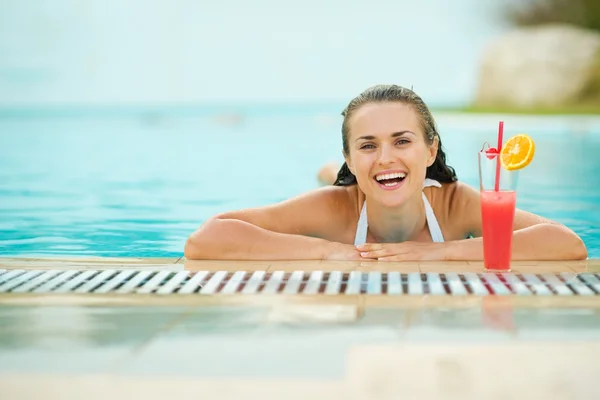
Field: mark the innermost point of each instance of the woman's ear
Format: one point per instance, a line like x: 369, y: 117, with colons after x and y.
x: 433, y: 150
x: 348, y: 162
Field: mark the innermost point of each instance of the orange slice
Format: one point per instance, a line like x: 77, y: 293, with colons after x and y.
x: 517, y: 152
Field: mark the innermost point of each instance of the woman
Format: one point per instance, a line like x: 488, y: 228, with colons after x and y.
x: 394, y: 199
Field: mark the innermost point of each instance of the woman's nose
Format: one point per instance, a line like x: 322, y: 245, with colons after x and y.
x: 386, y: 155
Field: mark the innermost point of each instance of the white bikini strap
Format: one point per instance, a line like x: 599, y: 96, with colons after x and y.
x: 361, y: 227
x: 434, y: 227
x: 430, y: 182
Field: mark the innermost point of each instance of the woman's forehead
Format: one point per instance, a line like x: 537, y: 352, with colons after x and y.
x: 384, y: 119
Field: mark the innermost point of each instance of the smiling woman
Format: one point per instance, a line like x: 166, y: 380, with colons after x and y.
x: 395, y: 198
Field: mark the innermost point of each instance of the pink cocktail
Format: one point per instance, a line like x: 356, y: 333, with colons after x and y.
x: 497, y: 214
x: 498, y: 204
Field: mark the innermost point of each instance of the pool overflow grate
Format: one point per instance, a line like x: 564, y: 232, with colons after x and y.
x: 297, y: 282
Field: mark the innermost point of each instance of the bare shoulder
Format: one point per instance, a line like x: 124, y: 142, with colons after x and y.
x: 456, y: 206
x: 326, y: 212
x: 451, y: 196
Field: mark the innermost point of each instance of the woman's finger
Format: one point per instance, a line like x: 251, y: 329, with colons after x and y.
x: 376, y: 253
x: 366, y: 247
x: 369, y: 254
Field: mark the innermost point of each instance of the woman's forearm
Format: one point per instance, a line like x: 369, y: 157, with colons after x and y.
x: 539, y: 242
x: 231, y: 239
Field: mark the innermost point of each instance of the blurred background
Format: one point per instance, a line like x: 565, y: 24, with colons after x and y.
x: 158, y: 52
x: 155, y: 52
x: 124, y: 124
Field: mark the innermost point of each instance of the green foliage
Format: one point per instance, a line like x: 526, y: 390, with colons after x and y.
x: 581, y: 13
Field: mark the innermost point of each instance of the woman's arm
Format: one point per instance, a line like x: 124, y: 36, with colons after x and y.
x: 295, y: 229
x: 534, y: 238
x: 234, y: 239
x: 545, y: 241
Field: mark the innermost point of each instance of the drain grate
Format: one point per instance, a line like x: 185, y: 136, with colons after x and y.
x: 297, y: 282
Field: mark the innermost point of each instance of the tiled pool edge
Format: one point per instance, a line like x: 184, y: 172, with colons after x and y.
x: 180, y: 263
x: 25, y: 274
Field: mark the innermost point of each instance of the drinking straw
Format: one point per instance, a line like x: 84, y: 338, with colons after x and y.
x: 500, y: 133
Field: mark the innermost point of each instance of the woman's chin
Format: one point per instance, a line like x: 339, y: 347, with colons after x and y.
x: 391, y: 201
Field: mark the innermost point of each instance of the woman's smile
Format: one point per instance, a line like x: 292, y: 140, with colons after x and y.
x: 390, y: 179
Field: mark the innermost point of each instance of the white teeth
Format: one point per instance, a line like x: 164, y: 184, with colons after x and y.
x: 390, y: 176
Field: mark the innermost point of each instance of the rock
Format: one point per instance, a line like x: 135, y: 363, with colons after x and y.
x: 547, y: 65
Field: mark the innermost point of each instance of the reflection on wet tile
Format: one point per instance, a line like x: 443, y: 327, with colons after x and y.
x: 227, y: 342
x: 93, y: 325
x: 396, y: 319
x: 499, y: 318
x: 498, y: 312
x: 270, y: 336
x: 77, y: 339
x: 303, y: 314
x: 268, y: 340
x: 220, y: 318
x: 208, y: 346
x: 462, y: 324
x: 70, y: 359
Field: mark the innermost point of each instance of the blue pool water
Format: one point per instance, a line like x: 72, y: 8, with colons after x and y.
x: 138, y: 183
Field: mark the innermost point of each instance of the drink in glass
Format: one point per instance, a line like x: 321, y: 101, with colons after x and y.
x: 498, y: 203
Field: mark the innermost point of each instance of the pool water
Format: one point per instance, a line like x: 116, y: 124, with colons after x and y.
x: 137, y: 184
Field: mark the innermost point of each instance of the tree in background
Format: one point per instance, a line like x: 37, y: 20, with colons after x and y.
x: 581, y: 13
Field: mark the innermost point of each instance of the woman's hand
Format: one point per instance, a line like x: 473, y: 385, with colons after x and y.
x: 405, y: 251
x: 342, y: 252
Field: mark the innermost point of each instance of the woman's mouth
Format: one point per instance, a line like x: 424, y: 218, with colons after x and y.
x: 390, y: 181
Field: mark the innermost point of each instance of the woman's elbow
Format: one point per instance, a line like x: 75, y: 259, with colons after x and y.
x: 190, y: 249
x: 196, y: 246
x: 579, y: 250
x: 575, y: 246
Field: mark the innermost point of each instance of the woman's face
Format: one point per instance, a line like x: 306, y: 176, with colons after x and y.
x: 388, y: 153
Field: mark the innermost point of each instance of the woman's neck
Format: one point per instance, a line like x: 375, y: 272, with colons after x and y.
x: 397, y: 224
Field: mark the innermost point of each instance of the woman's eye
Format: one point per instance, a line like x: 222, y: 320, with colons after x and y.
x: 403, y: 141
x: 367, y: 146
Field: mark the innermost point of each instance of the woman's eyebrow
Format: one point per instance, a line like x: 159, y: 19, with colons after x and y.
x: 395, y: 134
